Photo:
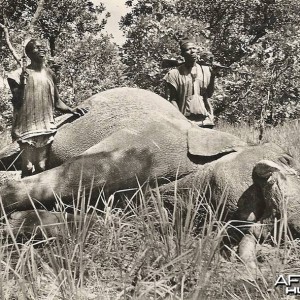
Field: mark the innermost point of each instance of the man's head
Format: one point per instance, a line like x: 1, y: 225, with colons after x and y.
x: 188, y: 49
x: 35, y: 50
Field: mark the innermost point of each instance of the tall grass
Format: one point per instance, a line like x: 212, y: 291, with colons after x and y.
x: 286, y: 135
x: 145, y: 250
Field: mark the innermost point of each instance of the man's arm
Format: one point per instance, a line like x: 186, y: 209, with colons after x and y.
x: 171, y: 94
x: 61, y: 106
x: 58, y: 104
x: 211, y: 85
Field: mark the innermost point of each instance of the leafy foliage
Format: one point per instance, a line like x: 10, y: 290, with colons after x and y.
x: 84, y: 58
x: 258, y: 40
x: 67, y: 17
x: 87, y: 67
x: 152, y: 29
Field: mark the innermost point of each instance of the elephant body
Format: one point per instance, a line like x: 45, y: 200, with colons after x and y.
x: 114, y: 110
x: 130, y: 136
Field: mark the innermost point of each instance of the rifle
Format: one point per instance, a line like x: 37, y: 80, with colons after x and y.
x: 24, y: 63
x: 172, y: 63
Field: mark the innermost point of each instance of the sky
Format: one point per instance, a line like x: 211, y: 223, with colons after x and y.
x: 117, y: 9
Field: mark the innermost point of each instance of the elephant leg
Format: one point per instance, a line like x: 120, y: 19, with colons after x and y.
x: 118, y: 162
x: 44, y: 224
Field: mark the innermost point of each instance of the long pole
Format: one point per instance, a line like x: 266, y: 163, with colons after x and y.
x: 24, y: 62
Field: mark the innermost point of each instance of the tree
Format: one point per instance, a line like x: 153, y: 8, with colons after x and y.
x: 88, y: 66
x: 70, y: 17
x: 256, y: 39
x: 50, y: 19
x: 152, y: 29
x: 85, y: 59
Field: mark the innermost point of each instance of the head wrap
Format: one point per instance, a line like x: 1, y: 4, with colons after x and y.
x: 184, y: 41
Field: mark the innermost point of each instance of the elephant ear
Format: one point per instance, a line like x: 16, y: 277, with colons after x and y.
x: 265, y: 169
x: 209, y: 142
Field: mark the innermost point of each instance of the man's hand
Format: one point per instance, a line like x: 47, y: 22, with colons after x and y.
x: 79, y: 112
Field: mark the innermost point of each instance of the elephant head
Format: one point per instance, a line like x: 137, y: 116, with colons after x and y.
x: 276, y: 186
x: 279, y: 185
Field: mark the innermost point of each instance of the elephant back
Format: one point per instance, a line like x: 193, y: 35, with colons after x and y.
x: 111, y: 111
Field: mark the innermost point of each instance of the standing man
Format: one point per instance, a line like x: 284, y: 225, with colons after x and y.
x: 190, y: 85
x: 35, y: 95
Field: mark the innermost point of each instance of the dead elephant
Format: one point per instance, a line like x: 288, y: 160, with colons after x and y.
x: 131, y: 134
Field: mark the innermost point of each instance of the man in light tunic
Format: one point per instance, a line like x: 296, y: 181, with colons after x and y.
x: 35, y: 95
x: 190, y: 85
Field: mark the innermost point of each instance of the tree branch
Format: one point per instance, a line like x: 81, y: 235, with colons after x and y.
x: 36, y: 14
x: 8, y: 43
x: 30, y: 29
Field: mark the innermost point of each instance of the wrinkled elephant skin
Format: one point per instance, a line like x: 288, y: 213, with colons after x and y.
x: 130, y: 136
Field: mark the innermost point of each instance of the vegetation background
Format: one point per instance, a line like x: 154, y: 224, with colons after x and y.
x: 258, y: 40
x: 125, y: 257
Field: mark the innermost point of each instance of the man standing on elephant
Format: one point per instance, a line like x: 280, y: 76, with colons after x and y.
x: 35, y: 95
x: 190, y: 85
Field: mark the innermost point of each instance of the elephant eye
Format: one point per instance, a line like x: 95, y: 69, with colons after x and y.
x: 285, y: 160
